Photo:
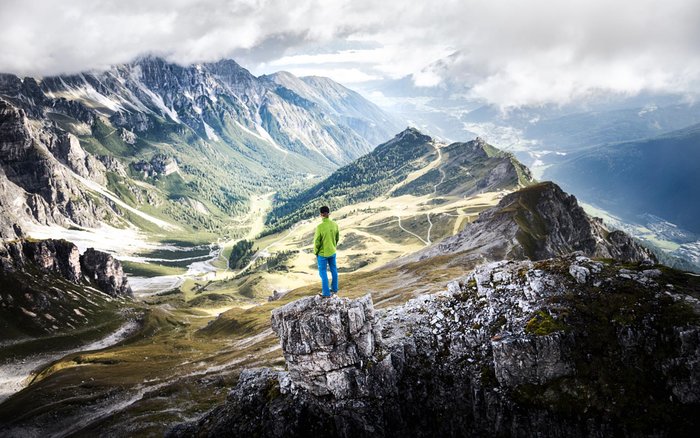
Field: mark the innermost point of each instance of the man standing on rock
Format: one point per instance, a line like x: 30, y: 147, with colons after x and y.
x: 325, y: 241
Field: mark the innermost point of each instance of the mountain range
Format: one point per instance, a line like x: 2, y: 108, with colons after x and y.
x: 502, y: 307
x: 552, y: 139
x: 183, y: 145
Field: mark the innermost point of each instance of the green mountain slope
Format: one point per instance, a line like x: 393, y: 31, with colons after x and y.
x: 410, y: 164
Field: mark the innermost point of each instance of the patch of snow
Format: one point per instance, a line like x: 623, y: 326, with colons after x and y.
x: 160, y: 104
x: 211, y: 135
x: 88, y: 95
x: 266, y: 136
x: 104, y: 238
x: 261, y: 134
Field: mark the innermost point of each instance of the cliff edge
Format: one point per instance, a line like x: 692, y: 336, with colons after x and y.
x: 564, y: 347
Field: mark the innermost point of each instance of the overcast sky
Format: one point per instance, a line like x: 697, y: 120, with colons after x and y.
x: 508, y: 52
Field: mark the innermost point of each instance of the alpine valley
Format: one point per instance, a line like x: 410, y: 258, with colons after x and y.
x: 157, y: 274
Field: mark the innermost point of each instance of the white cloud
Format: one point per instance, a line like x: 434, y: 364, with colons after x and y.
x: 509, y: 53
x: 342, y: 75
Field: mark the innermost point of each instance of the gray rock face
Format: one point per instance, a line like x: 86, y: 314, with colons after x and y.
x: 580, y: 273
x: 513, y: 349
x: 36, y: 160
x: 63, y: 258
x: 528, y: 359
x: 57, y: 256
x: 160, y: 165
x: 66, y: 148
x: 106, y: 271
x: 113, y: 165
x: 327, y: 341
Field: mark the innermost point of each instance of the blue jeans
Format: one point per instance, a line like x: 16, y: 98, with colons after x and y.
x: 323, y: 264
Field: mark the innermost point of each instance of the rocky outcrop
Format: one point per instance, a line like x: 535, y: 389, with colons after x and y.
x: 105, y: 271
x: 326, y: 344
x: 160, y: 165
x: 66, y: 148
x: 63, y: 259
x: 13, y: 212
x: 277, y: 294
x: 111, y: 164
x: 536, y: 223
x: 513, y: 349
x: 44, y: 292
x: 74, y: 109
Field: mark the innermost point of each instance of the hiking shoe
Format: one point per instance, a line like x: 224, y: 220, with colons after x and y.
x: 320, y: 294
x: 334, y: 293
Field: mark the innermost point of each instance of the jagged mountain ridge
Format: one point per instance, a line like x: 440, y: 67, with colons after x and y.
x: 363, y: 117
x: 536, y: 222
x: 204, y: 97
x: 229, y: 133
x: 457, y: 169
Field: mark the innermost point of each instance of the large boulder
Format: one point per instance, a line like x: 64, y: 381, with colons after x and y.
x: 327, y: 342
x: 106, y: 272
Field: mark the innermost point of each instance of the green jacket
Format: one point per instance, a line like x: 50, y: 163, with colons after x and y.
x: 326, y: 238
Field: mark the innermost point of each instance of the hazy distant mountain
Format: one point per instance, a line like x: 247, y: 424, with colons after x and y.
x: 450, y: 110
x: 355, y: 111
x: 657, y: 175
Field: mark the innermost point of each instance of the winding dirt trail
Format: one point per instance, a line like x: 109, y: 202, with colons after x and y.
x: 420, y: 172
x: 411, y: 232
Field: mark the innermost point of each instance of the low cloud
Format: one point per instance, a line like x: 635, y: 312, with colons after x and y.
x: 508, y: 53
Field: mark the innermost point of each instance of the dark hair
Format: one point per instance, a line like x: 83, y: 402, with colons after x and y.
x: 325, y: 209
